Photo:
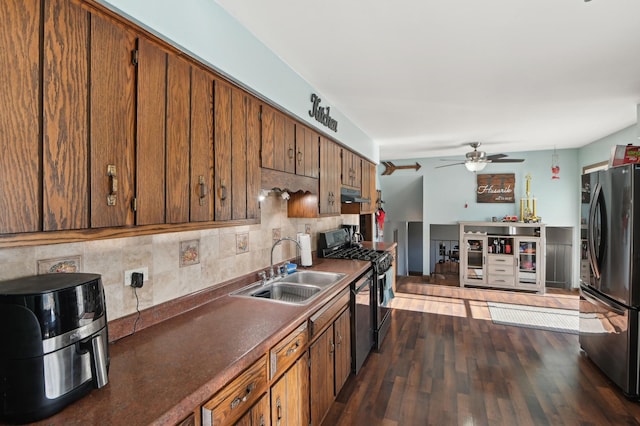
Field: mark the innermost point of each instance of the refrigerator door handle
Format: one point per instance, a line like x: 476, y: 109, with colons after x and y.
x: 597, y: 301
x: 591, y: 237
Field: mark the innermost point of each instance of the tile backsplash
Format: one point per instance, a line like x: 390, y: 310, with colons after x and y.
x: 179, y: 263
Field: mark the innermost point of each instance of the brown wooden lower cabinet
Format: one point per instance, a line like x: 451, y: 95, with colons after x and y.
x: 330, y: 366
x: 258, y: 415
x: 290, y: 395
x: 303, y: 380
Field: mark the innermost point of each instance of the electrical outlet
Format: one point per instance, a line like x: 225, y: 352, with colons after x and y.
x: 127, y: 275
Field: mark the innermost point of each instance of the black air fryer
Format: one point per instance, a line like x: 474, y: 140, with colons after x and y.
x: 53, y: 330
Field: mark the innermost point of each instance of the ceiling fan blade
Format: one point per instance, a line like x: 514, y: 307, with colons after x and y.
x: 494, y: 157
x: 451, y: 159
x: 447, y: 165
x: 508, y: 160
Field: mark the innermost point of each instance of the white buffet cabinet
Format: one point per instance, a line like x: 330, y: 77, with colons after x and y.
x: 506, y: 255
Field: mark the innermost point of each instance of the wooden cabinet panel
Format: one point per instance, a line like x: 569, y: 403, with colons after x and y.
x: 111, y: 123
x: 222, y: 151
x: 342, y: 338
x: 289, y: 145
x: 321, y: 385
x: 279, y: 142
x: 290, y: 395
x: 178, y: 127
x: 278, y: 139
x: 329, y: 202
x: 151, y: 131
x: 307, y: 152
x: 238, y: 155
x: 311, y: 154
x: 259, y: 415
x: 201, y: 146
x: 368, y: 187
x: 351, y: 169
x: 65, y: 175
x: 20, y: 135
x: 267, y: 121
x: 254, y: 175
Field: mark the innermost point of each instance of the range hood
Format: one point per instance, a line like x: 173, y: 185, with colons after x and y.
x: 349, y: 196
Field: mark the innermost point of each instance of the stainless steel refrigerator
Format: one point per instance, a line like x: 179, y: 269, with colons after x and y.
x: 610, y: 278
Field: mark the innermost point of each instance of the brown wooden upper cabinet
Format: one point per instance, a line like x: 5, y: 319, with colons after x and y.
x: 65, y: 68
x: 307, y: 151
x: 175, y: 139
x: 237, y: 153
x: 368, y: 187
x: 329, y: 202
x: 278, y: 141
x: 288, y: 146
x: 351, y: 169
x: 112, y: 123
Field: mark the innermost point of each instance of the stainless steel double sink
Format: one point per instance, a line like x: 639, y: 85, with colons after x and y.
x: 298, y: 288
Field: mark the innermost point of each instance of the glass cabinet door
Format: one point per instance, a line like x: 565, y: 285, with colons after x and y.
x: 527, y: 261
x: 475, y: 258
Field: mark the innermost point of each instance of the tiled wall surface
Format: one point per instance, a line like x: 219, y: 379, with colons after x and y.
x: 179, y: 263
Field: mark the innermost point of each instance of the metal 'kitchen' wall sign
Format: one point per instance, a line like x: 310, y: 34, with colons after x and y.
x: 497, y: 188
x: 321, y: 114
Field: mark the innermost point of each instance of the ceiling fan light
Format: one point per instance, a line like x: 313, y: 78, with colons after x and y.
x: 475, y: 166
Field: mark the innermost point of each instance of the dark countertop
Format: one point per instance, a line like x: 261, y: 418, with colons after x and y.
x: 162, y: 373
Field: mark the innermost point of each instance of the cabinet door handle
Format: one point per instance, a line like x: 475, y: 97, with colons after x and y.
x: 332, y: 347
x: 339, y: 339
x: 223, y: 191
x: 278, y: 410
x: 291, y: 153
x: 293, y: 348
x: 238, y: 400
x: 203, y: 189
x: 299, y: 157
x: 113, y: 184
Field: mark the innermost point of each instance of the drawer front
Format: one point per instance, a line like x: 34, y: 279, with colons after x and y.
x: 501, y: 280
x: 500, y: 270
x: 288, y: 350
x: 500, y: 259
x: 328, y: 312
x: 236, y: 398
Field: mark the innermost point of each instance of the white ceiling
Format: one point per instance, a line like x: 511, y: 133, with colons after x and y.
x: 422, y: 77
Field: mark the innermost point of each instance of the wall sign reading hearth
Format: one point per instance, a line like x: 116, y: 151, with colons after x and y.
x: 496, y: 188
x: 321, y: 114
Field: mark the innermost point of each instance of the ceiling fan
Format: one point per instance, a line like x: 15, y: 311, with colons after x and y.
x: 478, y: 160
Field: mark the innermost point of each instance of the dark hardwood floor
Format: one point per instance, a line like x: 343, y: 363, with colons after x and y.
x: 456, y: 367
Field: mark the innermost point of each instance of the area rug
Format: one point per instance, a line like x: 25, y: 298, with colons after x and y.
x: 552, y: 319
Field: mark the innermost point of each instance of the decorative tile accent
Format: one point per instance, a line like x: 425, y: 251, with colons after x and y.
x: 275, y: 234
x: 189, y: 252
x: 307, y: 228
x: 60, y: 264
x: 242, y: 243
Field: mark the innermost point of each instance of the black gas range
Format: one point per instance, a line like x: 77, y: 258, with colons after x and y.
x: 336, y: 244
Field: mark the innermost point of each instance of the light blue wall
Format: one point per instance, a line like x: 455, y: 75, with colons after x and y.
x: 600, y: 150
x: 206, y: 31
x: 446, y: 190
